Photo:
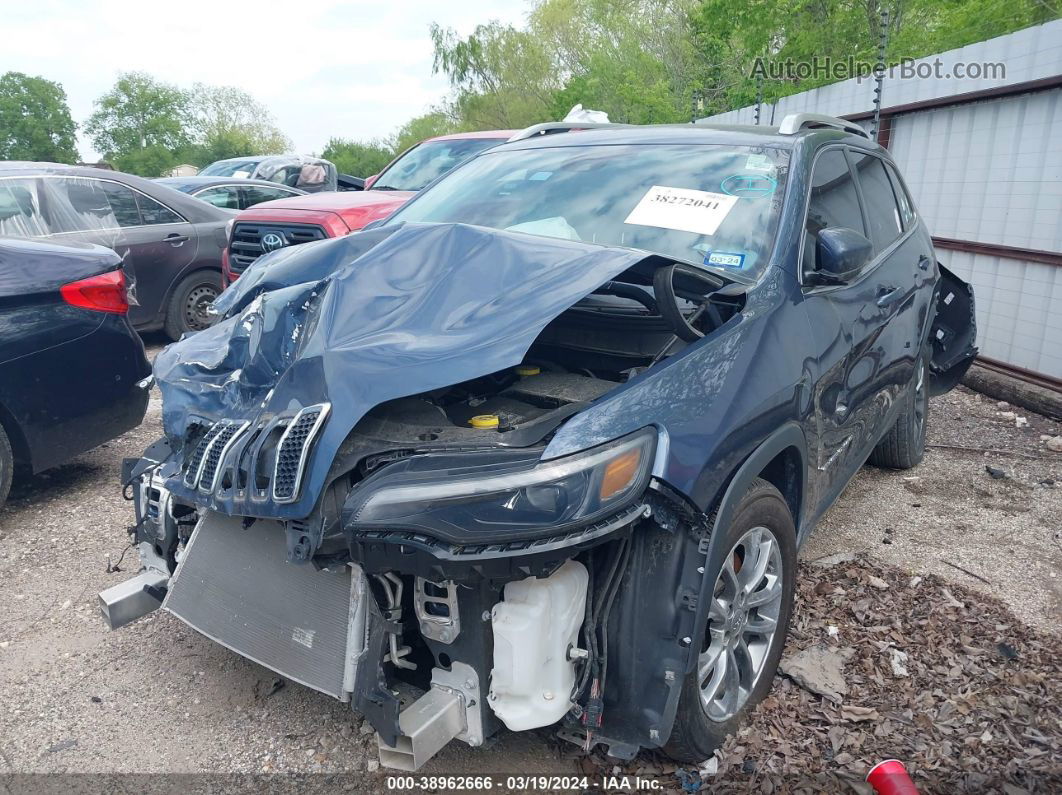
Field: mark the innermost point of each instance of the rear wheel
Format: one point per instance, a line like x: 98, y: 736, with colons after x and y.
x: 7, y: 466
x: 747, y: 623
x: 187, y: 310
x: 905, y: 443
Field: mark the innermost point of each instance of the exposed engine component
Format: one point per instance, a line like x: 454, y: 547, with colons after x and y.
x: 436, y: 608
x: 534, y: 628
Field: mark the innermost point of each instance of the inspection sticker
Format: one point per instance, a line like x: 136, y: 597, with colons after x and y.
x: 683, y: 209
x: 725, y: 259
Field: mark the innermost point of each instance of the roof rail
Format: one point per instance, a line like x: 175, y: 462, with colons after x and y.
x: 553, y: 127
x: 795, y: 122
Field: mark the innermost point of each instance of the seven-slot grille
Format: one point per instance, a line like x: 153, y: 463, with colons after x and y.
x: 246, y: 245
x: 208, y: 461
x: 292, y: 450
x: 203, y: 464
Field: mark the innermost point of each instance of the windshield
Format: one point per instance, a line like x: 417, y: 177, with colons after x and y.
x: 230, y: 168
x: 712, y: 205
x: 428, y: 161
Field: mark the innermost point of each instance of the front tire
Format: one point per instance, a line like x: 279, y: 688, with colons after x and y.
x: 7, y: 466
x: 905, y: 444
x: 187, y: 307
x: 748, y: 621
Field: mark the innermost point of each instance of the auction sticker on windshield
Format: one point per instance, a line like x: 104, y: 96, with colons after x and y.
x: 682, y: 209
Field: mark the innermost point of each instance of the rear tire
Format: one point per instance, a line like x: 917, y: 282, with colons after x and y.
x: 186, y: 311
x: 7, y: 466
x: 745, y: 603
x: 905, y: 444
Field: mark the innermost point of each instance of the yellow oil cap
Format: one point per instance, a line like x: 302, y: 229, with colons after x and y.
x: 528, y: 369
x: 484, y: 421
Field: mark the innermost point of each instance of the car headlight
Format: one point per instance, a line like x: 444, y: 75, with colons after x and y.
x: 497, y: 497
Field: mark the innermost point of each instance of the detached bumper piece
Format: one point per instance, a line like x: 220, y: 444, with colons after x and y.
x: 127, y: 601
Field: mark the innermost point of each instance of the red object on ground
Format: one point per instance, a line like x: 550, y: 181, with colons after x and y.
x: 890, y: 778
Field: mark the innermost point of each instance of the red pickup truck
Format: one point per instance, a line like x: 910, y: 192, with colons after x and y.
x: 301, y: 219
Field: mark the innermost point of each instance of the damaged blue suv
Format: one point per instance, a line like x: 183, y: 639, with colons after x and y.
x: 540, y: 450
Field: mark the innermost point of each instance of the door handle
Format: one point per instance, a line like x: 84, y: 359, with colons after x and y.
x: 923, y: 262
x: 176, y: 240
x: 889, y: 295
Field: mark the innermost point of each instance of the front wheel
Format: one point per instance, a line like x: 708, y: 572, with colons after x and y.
x: 747, y: 624
x: 7, y: 466
x: 187, y: 310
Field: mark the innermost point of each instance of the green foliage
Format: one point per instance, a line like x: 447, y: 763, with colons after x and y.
x: 228, y: 122
x: 151, y: 161
x: 141, y: 113
x: 503, y: 78
x: 435, y: 122
x: 357, y: 158
x: 35, y: 122
x: 651, y: 61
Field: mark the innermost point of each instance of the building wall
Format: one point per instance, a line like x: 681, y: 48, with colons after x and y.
x: 981, y: 170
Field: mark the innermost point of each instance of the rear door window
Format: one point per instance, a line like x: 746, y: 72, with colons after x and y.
x: 833, y: 202
x: 883, y: 214
x: 153, y: 212
x: 20, y: 209
x: 82, y: 204
x: 256, y: 194
x: 224, y: 196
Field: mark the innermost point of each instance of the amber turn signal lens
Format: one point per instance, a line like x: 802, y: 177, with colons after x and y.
x: 620, y: 473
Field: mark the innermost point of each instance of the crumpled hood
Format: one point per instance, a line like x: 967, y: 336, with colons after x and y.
x: 363, y: 319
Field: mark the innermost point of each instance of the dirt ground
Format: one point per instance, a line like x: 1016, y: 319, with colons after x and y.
x: 155, y: 697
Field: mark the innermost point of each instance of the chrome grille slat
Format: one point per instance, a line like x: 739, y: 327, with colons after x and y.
x: 293, y: 449
x: 195, y: 462
x: 214, y: 456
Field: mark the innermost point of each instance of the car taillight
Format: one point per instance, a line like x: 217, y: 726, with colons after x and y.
x: 103, y: 293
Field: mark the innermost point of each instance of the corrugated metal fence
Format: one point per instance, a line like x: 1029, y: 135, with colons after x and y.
x: 983, y: 158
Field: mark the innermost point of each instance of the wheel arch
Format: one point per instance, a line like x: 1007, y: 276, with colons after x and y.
x: 781, y: 460
x: 19, y: 445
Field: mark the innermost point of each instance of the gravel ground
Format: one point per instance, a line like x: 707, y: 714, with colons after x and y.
x: 157, y: 697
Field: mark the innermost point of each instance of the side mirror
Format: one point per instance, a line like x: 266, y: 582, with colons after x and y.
x: 842, y: 253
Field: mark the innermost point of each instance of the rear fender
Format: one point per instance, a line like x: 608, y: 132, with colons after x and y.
x: 953, y: 333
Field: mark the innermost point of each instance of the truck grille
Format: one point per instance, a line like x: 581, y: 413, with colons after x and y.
x: 247, y: 236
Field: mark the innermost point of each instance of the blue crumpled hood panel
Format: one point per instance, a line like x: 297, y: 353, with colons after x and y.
x: 367, y: 318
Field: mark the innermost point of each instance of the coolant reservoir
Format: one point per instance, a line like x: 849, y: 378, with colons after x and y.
x: 533, y: 628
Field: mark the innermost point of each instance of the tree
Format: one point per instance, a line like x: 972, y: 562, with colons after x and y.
x: 357, y: 158
x: 141, y: 113
x: 503, y: 78
x: 434, y: 122
x: 35, y: 122
x: 228, y: 122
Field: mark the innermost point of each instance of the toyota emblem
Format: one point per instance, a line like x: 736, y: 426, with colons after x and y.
x: 271, y: 241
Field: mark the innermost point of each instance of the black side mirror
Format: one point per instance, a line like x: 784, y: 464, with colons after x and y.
x: 841, y: 254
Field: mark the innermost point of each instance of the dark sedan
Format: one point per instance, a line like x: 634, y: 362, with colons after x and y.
x: 229, y: 193
x: 71, y: 367
x: 170, y: 243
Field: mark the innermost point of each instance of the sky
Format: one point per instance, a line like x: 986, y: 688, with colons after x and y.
x: 354, y: 69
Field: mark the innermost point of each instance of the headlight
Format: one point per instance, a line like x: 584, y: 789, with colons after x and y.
x: 497, y: 498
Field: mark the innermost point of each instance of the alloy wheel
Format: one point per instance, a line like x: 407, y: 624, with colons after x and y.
x: 742, y: 621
